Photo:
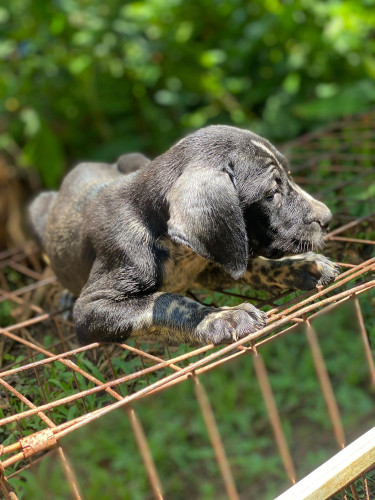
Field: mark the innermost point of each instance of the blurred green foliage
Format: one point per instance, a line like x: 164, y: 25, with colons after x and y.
x: 86, y: 79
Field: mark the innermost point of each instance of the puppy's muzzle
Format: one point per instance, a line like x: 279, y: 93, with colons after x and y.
x: 320, y: 216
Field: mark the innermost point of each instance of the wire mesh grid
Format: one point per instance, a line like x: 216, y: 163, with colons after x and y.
x: 51, y: 386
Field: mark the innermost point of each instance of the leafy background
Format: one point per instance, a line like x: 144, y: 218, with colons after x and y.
x: 90, y: 80
x: 86, y: 79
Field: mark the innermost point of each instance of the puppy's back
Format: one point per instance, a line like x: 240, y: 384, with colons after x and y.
x: 38, y: 213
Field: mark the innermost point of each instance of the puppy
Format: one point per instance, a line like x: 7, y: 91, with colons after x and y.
x: 218, y: 208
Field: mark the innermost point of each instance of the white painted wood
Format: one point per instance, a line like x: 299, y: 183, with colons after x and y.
x: 337, y: 472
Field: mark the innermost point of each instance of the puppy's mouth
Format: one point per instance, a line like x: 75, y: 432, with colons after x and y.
x: 294, y: 247
x: 275, y: 243
x: 300, y: 246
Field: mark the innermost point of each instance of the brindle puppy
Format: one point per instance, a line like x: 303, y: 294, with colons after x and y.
x: 217, y: 208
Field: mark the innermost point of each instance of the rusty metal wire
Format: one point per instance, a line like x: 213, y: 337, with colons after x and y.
x: 37, y: 340
x: 362, y: 487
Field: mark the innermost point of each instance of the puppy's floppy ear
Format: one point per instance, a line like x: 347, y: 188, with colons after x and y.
x: 205, y: 215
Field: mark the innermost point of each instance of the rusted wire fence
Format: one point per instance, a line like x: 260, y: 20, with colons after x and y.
x: 51, y: 386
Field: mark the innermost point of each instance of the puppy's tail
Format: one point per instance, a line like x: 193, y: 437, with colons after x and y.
x: 38, y: 212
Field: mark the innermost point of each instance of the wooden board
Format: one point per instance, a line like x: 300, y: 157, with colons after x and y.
x: 337, y: 472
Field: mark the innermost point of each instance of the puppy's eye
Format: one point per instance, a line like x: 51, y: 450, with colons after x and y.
x: 271, y: 195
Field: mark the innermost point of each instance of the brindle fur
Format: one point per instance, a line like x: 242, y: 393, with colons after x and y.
x: 218, y: 208
x: 297, y: 272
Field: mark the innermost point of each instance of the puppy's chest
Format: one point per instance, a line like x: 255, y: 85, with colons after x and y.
x: 181, y: 268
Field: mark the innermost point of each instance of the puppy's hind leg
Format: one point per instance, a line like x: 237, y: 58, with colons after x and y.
x: 38, y: 212
x: 66, y: 303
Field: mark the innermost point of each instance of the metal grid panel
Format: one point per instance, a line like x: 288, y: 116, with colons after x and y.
x: 39, y: 347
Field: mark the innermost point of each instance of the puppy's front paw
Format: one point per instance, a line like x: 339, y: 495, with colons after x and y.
x: 314, y: 270
x: 228, y: 324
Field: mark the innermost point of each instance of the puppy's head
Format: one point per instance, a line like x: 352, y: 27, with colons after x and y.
x: 234, y: 196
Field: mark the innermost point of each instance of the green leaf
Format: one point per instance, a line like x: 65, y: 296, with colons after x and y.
x: 44, y: 151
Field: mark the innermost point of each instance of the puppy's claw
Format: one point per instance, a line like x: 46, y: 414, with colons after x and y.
x: 234, y: 336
